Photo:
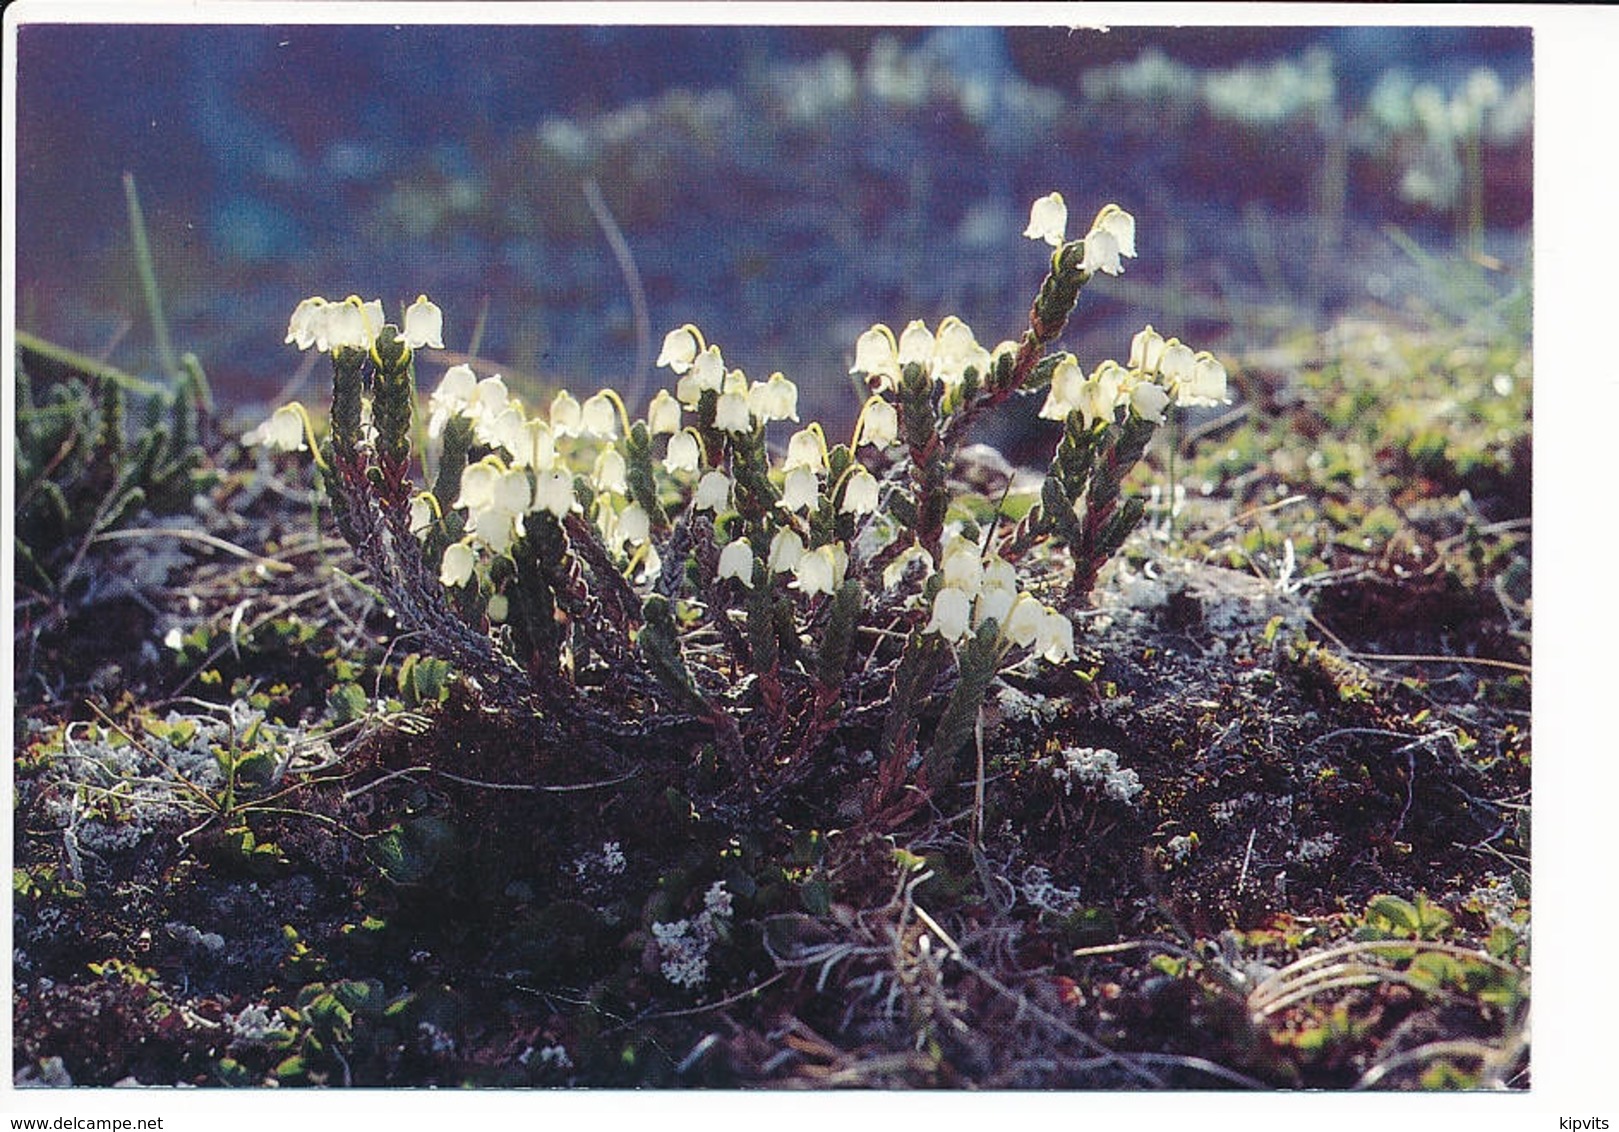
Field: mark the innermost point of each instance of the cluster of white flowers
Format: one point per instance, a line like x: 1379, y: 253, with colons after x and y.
x: 355, y: 323
x: 575, y: 454
x: 683, y: 946
x: 1161, y: 372
x: 1112, y: 235
x: 1097, y: 768
x: 946, y: 355
x: 979, y: 587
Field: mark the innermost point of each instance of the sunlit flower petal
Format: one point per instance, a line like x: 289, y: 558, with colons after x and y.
x: 554, y: 493
x: 610, y: 472
x: 731, y: 413
x: 816, y: 571
x: 805, y: 449
x: 773, y: 400
x: 916, y: 345
x: 1055, y: 641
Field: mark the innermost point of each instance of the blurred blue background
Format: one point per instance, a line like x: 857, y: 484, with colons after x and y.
x: 784, y: 188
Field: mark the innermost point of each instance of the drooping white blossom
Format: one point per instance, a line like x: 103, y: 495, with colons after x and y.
x: 1048, y: 220
x: 282, y: 432
x: 424, y: 325
x: 736, y: 561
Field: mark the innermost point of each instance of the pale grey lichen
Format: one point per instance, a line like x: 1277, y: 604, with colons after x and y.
x: 1097, y: 769
x: 683, y: 945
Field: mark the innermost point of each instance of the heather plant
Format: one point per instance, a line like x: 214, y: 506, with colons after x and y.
x: 620, y: 579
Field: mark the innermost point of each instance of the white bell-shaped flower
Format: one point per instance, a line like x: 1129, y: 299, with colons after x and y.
x: 684, y: 453
x: 1063, y: 396
x: 1100, y: 394
x: 805, y: 449
x: 567, y: 415
x: 955, y: 351
x: 541, y: 445
x: 786, y: 548
x: 422, y: 514
x: 424, y: 325
x: 736, y: 561
x: 663, y: 414
x: 283, y: 432
x: 1055, y: 640
x: 611, y: 472
x: 1025, y: 622
x: 1048, y: 220
x: 598, y: 416
x: 877, y: 357
x: 706, y: 373
x: 351, y: 324
x: 993, y: 605
x: 713, y: 492
x: 859, y: 492
x: 916, y: 345
x: 952, y: 614
x: 879, y: 422
x: 455, y: 569
x: 1147, y: 350
x: 1112, y: 235
x: 308, y: 324
x: 1207, y: 384
x: 817, y: 571
x: 1148, y: 401
x: 773, y: 400
x: 478, y: 485
x: 508, y: 430
x: 801, y: 490
x: 731, y: 413
x: 634, y: 525
x: 680, y: 348
x: 553, y: 493
x: 452, y: 397
x: 962, y: 566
